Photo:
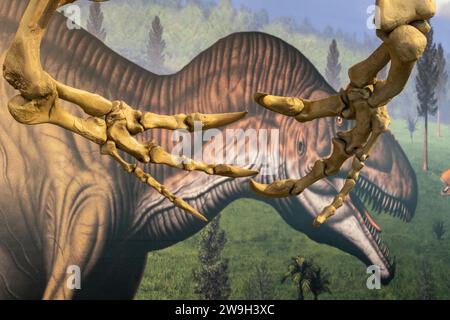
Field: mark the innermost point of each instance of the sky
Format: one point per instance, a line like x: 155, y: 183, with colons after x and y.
x: 349, y: 15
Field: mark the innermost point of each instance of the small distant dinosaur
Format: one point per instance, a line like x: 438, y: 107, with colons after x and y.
x: 445, y: 178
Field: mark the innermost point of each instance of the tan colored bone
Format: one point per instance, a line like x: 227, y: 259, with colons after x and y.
x: 302, y: 110
x: 112, y: 125
x: 365, y: 73
x: 110, y: 149
x: 187, y: 122
x: 39, y: 112
x: 159, y: 156
x: 380, y: 121
x: 406, y: 44
x: 395, y: 13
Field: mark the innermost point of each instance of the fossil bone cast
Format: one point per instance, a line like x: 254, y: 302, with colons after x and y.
x: 403, y: 26
x: 112, y: 124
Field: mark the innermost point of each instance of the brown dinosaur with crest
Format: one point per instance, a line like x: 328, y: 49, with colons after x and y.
x: 62, y: 204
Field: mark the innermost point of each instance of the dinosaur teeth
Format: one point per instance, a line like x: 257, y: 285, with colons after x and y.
x: 381, y: 201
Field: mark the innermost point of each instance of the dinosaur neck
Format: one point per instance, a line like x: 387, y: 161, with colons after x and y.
x: 159, y: 224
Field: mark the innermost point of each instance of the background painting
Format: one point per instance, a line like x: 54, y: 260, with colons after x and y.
x: 257, y: 237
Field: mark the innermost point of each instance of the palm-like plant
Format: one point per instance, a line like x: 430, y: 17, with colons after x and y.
x: 439, y: 229
x: 318, y: 282
x: 299, y: 273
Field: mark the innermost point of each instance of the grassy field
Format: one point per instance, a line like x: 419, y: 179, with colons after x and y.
x: 256, y: 233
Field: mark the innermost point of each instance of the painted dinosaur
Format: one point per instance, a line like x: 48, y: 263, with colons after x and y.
x: 62, y: 204
x: 445, y: 178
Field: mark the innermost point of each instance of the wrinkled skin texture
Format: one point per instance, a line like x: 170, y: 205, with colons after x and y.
x: 61, y: 203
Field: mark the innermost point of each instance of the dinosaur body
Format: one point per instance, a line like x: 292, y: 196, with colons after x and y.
x: 63, y: 204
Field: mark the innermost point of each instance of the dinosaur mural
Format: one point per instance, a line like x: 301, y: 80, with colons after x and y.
x: 62, y: 204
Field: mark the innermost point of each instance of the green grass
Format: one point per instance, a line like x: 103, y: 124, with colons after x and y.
x: 256, y: 233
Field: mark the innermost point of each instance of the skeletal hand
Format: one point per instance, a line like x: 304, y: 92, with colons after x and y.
x: 112, y: 124
x: 403, y: 29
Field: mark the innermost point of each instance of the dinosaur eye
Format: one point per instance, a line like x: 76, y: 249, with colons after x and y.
x: 339, y: 121
x: 301, y: 148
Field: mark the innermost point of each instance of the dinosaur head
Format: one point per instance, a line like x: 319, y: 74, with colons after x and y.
x: 445, y: 178
x: 387, y: 183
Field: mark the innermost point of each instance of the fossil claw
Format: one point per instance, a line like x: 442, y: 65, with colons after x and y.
x: 284, y: 105
x: 278, y: 189
x: 210, y: 121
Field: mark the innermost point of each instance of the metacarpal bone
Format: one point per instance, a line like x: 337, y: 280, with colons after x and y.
x: 46, y: 111
x: 159, y: 156
x: 406, y: 45
x: 365, y: 73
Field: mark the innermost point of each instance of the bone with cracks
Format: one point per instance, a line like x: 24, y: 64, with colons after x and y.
x: 403, y: 26
x: 111, y: 124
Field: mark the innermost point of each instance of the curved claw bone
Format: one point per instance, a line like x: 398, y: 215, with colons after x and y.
x: 109, y: 148
x: 285, y: 105
x: 188, y: 122
x: 302, y: 109
x: 278, y: 189
x: 178, y: 202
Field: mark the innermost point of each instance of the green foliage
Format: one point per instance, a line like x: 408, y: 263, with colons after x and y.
x: 426, y: 282
x: 439, y: 229
x: 442, y: 79
x: 260, y: 286
x: 427, y: 80
x: 211, y: 276
x: 300, y: 270
x: 307, y: 277
x: 318, y: 282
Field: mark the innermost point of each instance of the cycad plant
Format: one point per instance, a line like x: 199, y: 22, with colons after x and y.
x: 299, y: 273
x: 319, y: 282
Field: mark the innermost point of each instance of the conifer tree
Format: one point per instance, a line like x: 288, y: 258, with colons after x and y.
x: 426, y: 83
x: 95, y: 21
x: 333, y: 66
x: 156, y: 46
x: 211, y: 278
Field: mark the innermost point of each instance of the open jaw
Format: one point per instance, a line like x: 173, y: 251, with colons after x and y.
x: 353, y: 229
x: 380, y: 201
